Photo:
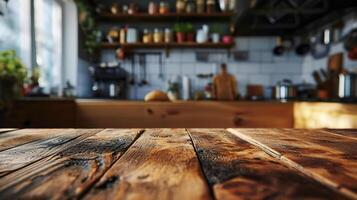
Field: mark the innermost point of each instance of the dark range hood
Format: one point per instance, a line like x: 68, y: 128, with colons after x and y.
x: 287, y: 17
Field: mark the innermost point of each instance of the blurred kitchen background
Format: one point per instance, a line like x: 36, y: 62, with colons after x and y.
x: 91, y: 63
x: 272, y: 41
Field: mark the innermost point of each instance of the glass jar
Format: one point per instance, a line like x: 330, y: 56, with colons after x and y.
x: 168, y: 35
x: 200, y: 8
x: 180, y: 6
x: 153, y: 8
x: 147, y: 37
x: 164, y: 8
x: 190, y: 6
x: 158, y: 36
x: 211, y: 6
x: 122, y: 36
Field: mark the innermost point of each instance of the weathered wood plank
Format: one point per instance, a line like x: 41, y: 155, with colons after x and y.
x: 326, y: 162
x: 19, y: 137
x: 4, y: 130
x: 237, y: 170
x: 71, y: 172
x: 161, y: 164
x: 20, y: 156
x: 346, y: 132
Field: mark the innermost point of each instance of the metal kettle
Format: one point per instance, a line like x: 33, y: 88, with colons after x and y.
x: 285, y: 90
x: 347, y: 86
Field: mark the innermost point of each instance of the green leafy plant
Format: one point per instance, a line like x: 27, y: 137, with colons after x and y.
x: 88, y: 24
x: 189, y: 28
x: 215, y: 28
x: 183, y: 28
x: 11, y: 66
x: 12, y: 75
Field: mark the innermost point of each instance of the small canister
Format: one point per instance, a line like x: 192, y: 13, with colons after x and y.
x: 168, y: 35
x: 158, y: 36
x: 153, y: 8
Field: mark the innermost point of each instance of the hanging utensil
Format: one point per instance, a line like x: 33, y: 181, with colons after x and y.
x: 132, y: 73
x: 142, y: 60
x: 161, y: 74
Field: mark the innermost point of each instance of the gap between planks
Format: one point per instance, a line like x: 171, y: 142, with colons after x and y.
x: 55, y: 161
x: 87, y: 190
x: 290, y: 163
x: 210, y: 189
x: 9, y: 177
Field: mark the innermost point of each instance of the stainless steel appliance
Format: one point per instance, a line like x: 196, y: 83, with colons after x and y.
x: 347, y: 86
x: 109, y: 82
x: 285, y: 90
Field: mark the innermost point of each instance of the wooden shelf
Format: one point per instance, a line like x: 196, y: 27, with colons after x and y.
x: 191, y: 45
x: 170, y: 17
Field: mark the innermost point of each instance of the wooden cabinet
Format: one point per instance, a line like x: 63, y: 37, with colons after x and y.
x: 41, y: 114
x: 325, y: 115
x: 181, y: 114
x: 191, y: 114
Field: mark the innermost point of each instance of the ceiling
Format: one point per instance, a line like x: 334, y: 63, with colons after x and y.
x: 288, y: 17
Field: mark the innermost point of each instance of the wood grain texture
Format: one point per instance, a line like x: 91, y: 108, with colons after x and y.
x: 325, y: 160
x: 237, y: 170
x: 41, y: 113
x: 30, y: 153
x: 346, y: 132
x: 181, y: 114
x: 71, y: 172
x: 161, y: 164
x: 4, y: 130
x: 19, y: 137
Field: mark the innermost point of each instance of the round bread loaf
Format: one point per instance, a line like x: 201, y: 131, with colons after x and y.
x: 156, y: 95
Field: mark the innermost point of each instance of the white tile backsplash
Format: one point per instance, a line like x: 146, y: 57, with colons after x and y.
x: 262, y: 67
x: 249, y: 68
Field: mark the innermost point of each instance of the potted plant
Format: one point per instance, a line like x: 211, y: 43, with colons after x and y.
x: 216, y: 33
x: 190, y: 32
x: 180, y: 31
x: 173, y: 91
x: 12, y: 76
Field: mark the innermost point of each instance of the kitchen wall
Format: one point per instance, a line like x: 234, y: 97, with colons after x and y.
x: 261, y: 67
x: 310, y: 64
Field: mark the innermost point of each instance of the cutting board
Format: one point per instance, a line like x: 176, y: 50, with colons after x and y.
x: 335, y: 62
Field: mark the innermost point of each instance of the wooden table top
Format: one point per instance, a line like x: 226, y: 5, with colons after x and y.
x: 178, y: 164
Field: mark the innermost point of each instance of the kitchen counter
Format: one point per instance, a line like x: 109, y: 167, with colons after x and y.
x: 99, y: 113
x: 178, y: 164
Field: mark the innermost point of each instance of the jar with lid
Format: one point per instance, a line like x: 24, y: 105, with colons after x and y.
x: 153, y: 8
x: 164, y: 8
x: 158, y: 36
x: 122, y: 36
x: 133, y: 8
x: 200, y: 6
x: 168, y: 35
x: 115, y: 9
x: 211, y: 6
x: 147, y: 36
x: 180, y: 6
x: 190, y: 6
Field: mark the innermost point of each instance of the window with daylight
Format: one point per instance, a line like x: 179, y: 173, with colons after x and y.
x: 48, y: 43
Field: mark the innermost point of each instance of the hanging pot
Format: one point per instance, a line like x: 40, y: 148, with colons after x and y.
x: 350, y: 40
x: 279, y: 48
x: 320, y: 47
x: 352, y: 54
x: 303, y: 48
